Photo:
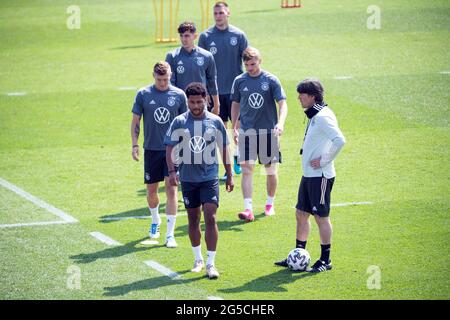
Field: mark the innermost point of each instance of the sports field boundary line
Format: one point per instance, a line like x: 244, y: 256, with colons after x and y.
x: 31, y: 224
x: 162, y: 269
x: 38, y: 202
x: 104, y: 238
x: 346, y: 204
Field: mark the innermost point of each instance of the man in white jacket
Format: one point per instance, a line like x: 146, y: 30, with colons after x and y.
x: 322, y: 142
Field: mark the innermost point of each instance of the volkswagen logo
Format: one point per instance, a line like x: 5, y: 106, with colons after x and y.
x: 256, y: 100
x: 180, y: 69
x: 161, y: 115
x: 197, y: 144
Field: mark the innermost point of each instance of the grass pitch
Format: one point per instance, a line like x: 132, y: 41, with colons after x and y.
x: 66, y: 140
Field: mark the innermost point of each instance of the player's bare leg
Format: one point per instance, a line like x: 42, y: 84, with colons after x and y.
x: 171, y: 211
x: 211, y: 229
x: 153, y: 205
x: 247, y: 191
x: 195, y: 235
x: 271, y: 185
x: 303, y: 225
x: 211, y: 237
x: 325, y: 229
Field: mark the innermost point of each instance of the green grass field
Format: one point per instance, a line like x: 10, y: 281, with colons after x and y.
x: 66, y: 141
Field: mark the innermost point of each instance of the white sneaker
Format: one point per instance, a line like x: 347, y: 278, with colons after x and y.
x: 212, y: 272
x: 154, y: 231
x: 198, y: 266
x: 170, y: 242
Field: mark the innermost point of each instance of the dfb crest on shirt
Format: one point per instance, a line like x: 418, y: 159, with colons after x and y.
x: 161, y: 115
x: 256, y: 100
x: 180, y: 69
x: 213, y: 50
x: 233, y: 41
x: 200, y: 61
x: 171, y: 101
x: 197, y: 144
x: 265, y: 86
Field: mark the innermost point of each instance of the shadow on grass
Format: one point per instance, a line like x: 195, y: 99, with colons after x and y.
x: 149, y: 284
x: 270, y: 283
x: 114, y: 252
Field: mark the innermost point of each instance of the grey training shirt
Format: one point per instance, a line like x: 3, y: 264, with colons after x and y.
x: 159, y: 108
x: 195, y: 66
x: 227, y: 47
x: 196, y: 142
x: 257, y: 96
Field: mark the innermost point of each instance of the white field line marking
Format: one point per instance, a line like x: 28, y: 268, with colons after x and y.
x: 40, y: 203
x: 214, y: 298
x: 30, y: 224
x: 16, y: 94
x: 137, y: 217
x: 105, y: 239
x: 343, y: 77
x: 444, y: 72
x: 127, y: 88
x: 160, y: 268
x: 345, y: 204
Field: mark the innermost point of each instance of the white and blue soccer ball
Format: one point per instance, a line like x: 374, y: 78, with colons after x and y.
x: 298, y: 259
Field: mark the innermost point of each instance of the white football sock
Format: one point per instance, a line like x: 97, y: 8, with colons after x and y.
x: 211, y: 256
x: 248, y: 204
x: 270, y: 200
x: 171, y: 219
x: 155, y: 215
x: 198, y: 252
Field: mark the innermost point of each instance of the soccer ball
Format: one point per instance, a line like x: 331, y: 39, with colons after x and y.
x: 298, y: 259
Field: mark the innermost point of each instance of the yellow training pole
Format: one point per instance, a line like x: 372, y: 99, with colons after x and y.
x: 161, y: 21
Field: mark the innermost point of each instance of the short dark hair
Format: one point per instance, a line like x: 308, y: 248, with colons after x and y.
x: 313, y: 87
x: 187, y: 26
x: 195, y: 89
x: 161, y: 68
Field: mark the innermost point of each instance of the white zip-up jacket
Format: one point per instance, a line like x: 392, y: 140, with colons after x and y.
x: 324, y: 139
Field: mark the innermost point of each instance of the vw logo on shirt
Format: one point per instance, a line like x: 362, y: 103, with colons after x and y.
x: 197, y: 144
x: 256, y: 100
x: 161, y: 115
x: 180, y: 69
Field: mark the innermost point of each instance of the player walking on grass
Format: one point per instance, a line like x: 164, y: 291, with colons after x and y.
x: 193, y: 64
x: 226, y: 43
x: 322, y: 142
x: 192, y: 142
x: 254, y: 94
x: 159, y: 104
